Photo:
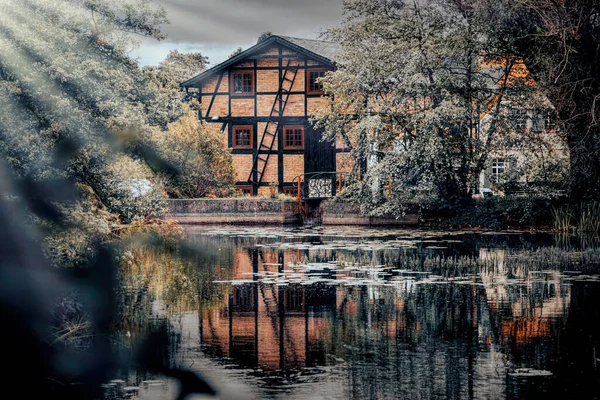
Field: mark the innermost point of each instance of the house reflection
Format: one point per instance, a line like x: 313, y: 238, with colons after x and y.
x: 268, y: 325
x: 295, y: 325
x: 522, y: 318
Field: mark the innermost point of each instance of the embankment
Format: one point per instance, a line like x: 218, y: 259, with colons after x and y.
x: 252, y: 211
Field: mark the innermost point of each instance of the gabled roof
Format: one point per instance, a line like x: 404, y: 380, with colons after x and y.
x: 329, y: 50
x: 319, y: 50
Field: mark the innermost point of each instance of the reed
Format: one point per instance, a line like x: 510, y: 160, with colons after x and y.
x: 585, y: 219
x: 563, y: 218
x: 589, y: 218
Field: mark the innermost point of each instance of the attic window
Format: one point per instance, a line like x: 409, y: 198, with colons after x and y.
x: 243, y: 83
x: 312, y: 84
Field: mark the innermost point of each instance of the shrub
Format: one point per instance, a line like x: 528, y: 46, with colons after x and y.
x: 498, y: 212
x: 205, y: 167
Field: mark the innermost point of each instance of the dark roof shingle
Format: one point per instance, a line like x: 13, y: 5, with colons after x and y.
x: 329, y: 50
x: 326, y: 52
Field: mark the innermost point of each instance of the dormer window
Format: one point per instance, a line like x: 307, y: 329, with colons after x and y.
x: 242, y: 83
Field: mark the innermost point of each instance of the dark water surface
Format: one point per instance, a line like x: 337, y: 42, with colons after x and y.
x: 368, y: 314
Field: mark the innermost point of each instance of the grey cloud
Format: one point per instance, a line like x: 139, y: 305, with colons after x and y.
x: 237, y: 22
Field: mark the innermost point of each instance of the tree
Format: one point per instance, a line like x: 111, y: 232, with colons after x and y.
x: 205, y: 165
x: 72, y: 100
x: 236, y: 52
x: 171, y: 102
x: 421, y: 96
x: 264, y: 36
x: 560, y: 42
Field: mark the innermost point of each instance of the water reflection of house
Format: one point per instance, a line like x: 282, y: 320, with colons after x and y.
x: 295, y: 325
x: 267, y: 325
x: 523, y: 318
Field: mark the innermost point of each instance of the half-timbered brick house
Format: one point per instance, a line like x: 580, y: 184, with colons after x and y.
x: 262, y: 100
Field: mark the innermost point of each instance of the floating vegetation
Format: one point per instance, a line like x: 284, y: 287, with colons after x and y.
x: 529, y: 373
x: 556, y: 258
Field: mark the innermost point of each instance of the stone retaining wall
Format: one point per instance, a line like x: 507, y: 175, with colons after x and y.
x: 342, y: 213
x: 234, y: 211
x: 252, y: 211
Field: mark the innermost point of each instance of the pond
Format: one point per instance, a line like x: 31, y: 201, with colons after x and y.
x: 335, y: 313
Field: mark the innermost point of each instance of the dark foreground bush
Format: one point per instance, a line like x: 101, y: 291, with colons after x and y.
x: 499, y: 212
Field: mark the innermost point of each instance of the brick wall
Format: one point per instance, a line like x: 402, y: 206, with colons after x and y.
x: 293, y: 62
x: 243, y: 166
x: 271, y: 51
x: 220, y: 106
x: 264, y: 105
x: 209, y: 85
x: 267, y: 80
x: 295, y: 106
x: 268, y: 62
x: 270, y: 174
x: 314, y: 104
x: 242, y: 107
x: 299, y: 84
x: 293, y: 165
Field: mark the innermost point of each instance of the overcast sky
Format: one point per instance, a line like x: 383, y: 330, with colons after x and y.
x: 216, y: 28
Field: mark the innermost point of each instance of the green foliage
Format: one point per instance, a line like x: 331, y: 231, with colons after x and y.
x: 204, y: 164
x: 410, y: 92
x: 561, y: 43
x: 583, y: 218
x: 170, y: 102
x: 497, y: 212
x: 70, y: 102
x: 264, y: 36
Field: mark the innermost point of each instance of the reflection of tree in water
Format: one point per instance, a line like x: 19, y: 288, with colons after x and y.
x: 426, y: 337
x: 436, y: 339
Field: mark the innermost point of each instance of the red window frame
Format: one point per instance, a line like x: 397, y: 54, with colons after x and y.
x: 309, y: 81
x: 232, y: 82
x: 290, y: 191
x: 294, y: 128
x: 234, y: 141
x: 246, y: 189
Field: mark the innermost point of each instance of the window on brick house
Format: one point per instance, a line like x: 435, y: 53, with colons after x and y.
x: 246, y: 190
x: 242, y: 137
x: 313, y: 86
x: 293, y: 137
x: 290, y: 191
x: 242, y: 83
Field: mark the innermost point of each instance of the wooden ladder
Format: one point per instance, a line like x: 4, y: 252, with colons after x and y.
x: 272, y: 128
